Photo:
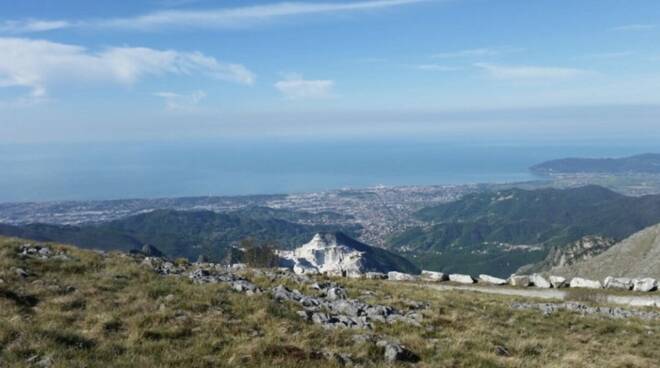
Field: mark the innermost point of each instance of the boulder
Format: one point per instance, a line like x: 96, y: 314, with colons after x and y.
x: 375, y: 276
x: 305, y: 269
x: 578, y: 282
x: 557, y: 281
x: 492, y: 280
x: 540, y: 281
x: 394, y: 352
x: 400, y: 276
x: 461, y: 279
x: 336, y: 293
x: 434, y: 276
x: 622, y: 283
x: 519, y: 280
x: 645, y: 284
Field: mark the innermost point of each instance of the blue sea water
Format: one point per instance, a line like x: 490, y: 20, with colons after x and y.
x: 46, y: 172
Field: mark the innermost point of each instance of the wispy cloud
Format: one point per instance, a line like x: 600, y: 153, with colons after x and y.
x: 437, y: 68
x: 295, y: 87
x: 237, y: 17
x: 479, y: 52
x: 37, y: 64
x: 526, y: 72
x: 181, y: 102
x: 608, y: 55
x: 32, y: 26
x: 635, y: 27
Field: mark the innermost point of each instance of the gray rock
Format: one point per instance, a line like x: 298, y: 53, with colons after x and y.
x: 395, y: 352
x: 645, y: 284
x: 558, y: 282
x: 21, y: 272
x: 336, y: 293
x: 519, y: 280
x: 622, y: 283
x: 461, y: 279
x: 492, y: 280
x: 247, y: 287
x: 45, y: 251
x: 540, y: 281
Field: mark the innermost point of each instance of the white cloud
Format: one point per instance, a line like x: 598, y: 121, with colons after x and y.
x: 295, y: 87
x: 237, y: 17
x: 635, y: 27
x: 437, y: 68
x: 32, y: 25
x: 36, y: 64
x: 526, y: 72
x: 479, y: 52
x: 181, y: 102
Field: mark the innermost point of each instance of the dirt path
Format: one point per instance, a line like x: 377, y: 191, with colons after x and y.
x: 627, y: 300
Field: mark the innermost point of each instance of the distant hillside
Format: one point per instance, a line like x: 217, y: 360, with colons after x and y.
x: 178, y: 233
x: 637, y: 256
x: 499, y: 232
x: 647, y: 163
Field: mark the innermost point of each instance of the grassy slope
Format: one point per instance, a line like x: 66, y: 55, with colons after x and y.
x: 121, y: 314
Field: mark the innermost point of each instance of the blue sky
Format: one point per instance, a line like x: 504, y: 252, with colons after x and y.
x: 184, y: 69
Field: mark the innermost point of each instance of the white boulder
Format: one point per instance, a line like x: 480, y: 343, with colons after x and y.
x: 623, y: 283
x: 519, y: 280
x: 645, y: 284
x: 557, y: 281
x: 579, y: 282
x: 492, y: 280
x: 433, y: 276
x: 540, y: 281
x: 375, y: 276
x: 461, y: 279
x: 400, y: 276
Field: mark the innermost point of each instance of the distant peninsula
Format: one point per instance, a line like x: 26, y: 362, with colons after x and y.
x: 648, y: 163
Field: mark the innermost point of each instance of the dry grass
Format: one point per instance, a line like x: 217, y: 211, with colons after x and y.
x: 97, y: 311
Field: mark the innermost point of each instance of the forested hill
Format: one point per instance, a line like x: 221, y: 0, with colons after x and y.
x: 179, y: 233
x: 647, y: 163
x: 500, y: 231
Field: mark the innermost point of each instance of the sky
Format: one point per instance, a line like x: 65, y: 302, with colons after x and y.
x: 79, y: 70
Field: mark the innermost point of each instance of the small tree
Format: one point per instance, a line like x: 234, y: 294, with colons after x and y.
x: 258, y: 255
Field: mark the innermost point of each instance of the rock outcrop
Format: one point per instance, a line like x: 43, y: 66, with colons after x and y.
x: 336, y: 254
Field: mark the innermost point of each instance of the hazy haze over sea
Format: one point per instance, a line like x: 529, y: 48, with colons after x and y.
x: 44, y: 172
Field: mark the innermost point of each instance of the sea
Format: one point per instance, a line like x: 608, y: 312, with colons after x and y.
x: 98, y: 171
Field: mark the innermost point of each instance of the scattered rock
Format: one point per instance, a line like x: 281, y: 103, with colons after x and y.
x: 519, y: 280
x: 557, y: 282
x: 502, y: 351
x: 540, y: 281
x: 615, y: 313
x: 492, y: 280
x: 645, y: 284
x: 394, y: 352
x: 434, y: 276
x: 400, y: 276
x: 623, y: 283
x: 461, y: 279
x: 21, y: 273
x: 578, y: 282
x: 336, y: 293
x: 243, y: 286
